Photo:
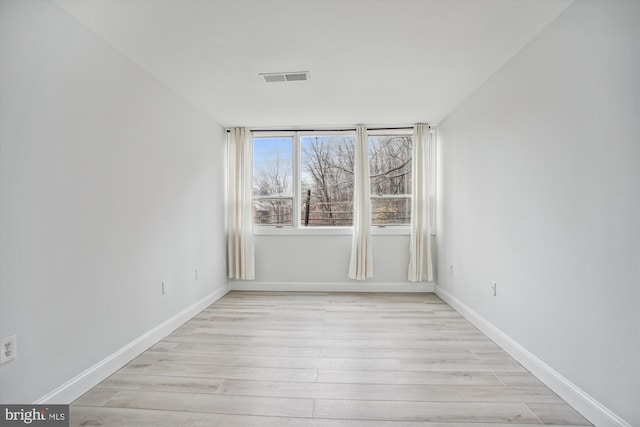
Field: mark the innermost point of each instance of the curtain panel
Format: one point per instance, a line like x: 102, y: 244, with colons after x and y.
x: 420, y: 262
x: 240, y: 244
x: 361, y: 263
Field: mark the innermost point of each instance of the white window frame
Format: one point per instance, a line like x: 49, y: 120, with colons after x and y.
x: 391, y: 132
x: 294, y: 168
x: 297, y: 228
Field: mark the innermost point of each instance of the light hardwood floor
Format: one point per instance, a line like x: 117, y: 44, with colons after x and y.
x: 324, y: 360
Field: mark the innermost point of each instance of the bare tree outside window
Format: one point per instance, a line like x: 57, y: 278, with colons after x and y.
x: 327, y: 171
x: 390, y: 174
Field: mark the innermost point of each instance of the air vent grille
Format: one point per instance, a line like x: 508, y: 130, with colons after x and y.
x: 271, y: 78
x: 297, y: 76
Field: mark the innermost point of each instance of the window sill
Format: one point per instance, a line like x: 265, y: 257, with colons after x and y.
x: 395, y: 230
x: 328, y: 231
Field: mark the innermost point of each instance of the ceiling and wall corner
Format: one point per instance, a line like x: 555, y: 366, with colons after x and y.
x: 389, y: 62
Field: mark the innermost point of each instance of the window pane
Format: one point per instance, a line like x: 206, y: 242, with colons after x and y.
x: 390, y: 174
x: 390, y: 211
x: 390, y: 164
x: 327, y: 172
x: 273, y: 211
x: 272, y: 166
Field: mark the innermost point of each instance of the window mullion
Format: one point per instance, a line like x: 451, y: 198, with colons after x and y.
x: 296, y: 181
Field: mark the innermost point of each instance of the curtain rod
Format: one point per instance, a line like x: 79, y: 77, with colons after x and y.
x: 328, y: 130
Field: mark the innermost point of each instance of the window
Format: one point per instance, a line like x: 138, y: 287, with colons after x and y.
x: 326, y: 175
x: 306, y: 180
x: 272, y: 181
x: 390, y: 175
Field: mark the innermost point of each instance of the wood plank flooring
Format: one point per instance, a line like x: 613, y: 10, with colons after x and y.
x: 324, y: 360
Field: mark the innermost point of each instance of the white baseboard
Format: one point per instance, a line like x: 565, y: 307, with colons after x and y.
x: 589, y: 407
x: 251, y: 285
x: 76, y: 387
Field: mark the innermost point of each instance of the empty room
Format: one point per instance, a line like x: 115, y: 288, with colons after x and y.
x: 320, y: 213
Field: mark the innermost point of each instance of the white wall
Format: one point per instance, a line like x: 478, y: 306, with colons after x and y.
x: 325, y: 259
x: 540, y: 193
x: 110, y: 184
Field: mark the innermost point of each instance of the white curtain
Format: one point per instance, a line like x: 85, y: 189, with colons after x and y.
x: 240, y: 246
x: 420, y: 264
x: 361, y: 264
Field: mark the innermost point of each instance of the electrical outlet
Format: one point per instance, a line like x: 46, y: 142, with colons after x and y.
x: 196, y: 274
x: 493, y: 288
x: 450, y: 269
x: 164, y: 288
x: 8, y: 349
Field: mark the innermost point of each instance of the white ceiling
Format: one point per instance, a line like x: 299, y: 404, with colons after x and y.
x: 373, y: 62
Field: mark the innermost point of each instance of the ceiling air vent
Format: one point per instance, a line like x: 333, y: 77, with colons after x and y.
x: 285, y: 77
